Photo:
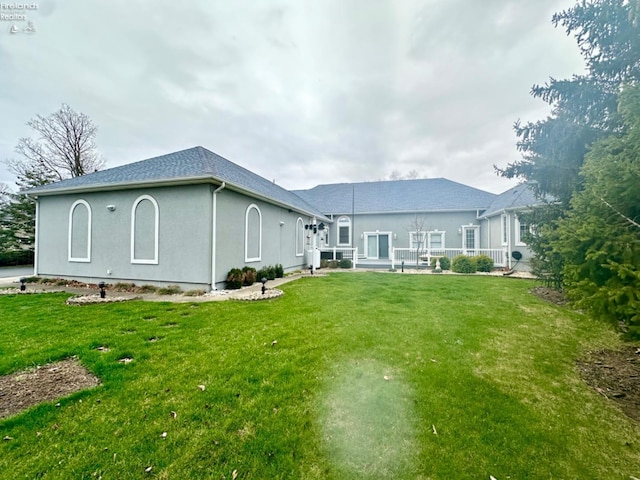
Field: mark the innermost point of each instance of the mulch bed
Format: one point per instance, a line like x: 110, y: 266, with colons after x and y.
x: 45, y: 383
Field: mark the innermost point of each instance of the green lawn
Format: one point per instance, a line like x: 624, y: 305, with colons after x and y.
x: 353, y: 375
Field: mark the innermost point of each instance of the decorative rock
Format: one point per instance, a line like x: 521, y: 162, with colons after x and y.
x: 268, y: 294
x: 89, y: 299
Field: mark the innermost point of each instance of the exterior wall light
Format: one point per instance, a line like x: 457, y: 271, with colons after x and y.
x: 23, y: 287
x: 101, y: 286
x: 264, y: 282
x: 111, y: 208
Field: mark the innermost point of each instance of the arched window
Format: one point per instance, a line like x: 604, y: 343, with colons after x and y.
x: 145, y: 219
x: 253, y: 234
x: 299, y: 237
x: 80, y: 232
x: 344, y: 231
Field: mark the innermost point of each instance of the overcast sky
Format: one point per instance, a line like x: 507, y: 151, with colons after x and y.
x: 300, y: 92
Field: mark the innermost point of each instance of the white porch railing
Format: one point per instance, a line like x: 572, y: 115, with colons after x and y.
x: 410, y: 255
x: 339, y: 253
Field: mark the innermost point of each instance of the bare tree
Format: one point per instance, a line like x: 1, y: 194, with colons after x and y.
x: 411, y: 175
x: 418, y: 232
x: 64, y: 148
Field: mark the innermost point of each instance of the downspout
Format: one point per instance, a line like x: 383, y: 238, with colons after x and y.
x: 35, y: 253
x: 508, y: 239
x: 214, y: 232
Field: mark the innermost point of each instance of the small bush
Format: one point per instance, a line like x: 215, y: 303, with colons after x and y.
x: 235, y: 279
x: 463, y: 264
x: 324, y: 263
x: 250, y: 276
x: 334, y: 263
x: 124, y: 287
x: 146, y: 289
x: 483, y: 263
x: 445, y: 263
x: 169, y: 290
x: 345, y: 263
x: 271, y: 272
x: 279, y: 271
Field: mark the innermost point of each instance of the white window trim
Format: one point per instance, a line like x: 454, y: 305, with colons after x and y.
x: 86, y: 259
x: 438, y: 232
x: 504, y: 229
x: 145, y: 261
x: 476, y: 237
x: 246, y: 234
x: 519, y: 241
x: 377, y: 234
x: 299, y: 237
x: 415, y: 234
x: 338, y: 232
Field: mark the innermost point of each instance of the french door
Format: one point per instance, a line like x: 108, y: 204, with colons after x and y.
x: 377, y: 246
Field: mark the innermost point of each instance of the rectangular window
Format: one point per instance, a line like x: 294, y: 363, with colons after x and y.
x: 344, y: 231
x: 417, y: 240
x: 436, y: 240
x: 344, y: 235
x: 522, y: 230
x: 504, y: 229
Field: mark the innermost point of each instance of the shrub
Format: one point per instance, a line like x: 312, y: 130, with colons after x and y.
x: 235, y: 278
x: 345, y: 263
x: 124, y: 287
x: 483, y: 263
x: 445, y: 263
x: 463, y: 264
x: 250, y: 276
x: 334, y: 263
x: 169, y: 290
x: 268, y: 272
x: 279, y: 271
x: 146, y: 289
x: 324, y: 263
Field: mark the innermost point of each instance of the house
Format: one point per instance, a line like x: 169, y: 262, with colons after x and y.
x: 188, y: 217
x: 388, y: 219
x: 504, y: 229
x: 185, y: 218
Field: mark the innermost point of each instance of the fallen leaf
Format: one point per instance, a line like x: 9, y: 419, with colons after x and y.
x: 387, y: 378
x: 433, y: 427
x: 234, y: 475
x: 201, y: 387
x: 163, y: 434
x: 491, y: 477
x: 7, y: 438
x: 148, y: 469
x: 275, y: 342
x: 174, y: 414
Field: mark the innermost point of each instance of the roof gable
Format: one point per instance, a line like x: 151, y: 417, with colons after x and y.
x: 519, y: 197
x: 424, y: 195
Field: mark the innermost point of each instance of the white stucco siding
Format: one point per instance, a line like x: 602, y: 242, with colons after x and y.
x: 277, y: 237
x: 183, y: 246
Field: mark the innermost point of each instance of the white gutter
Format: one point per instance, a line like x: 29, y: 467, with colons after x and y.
x: 214, y: 231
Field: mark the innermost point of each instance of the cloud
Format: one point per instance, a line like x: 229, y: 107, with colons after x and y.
x: 306, y: 93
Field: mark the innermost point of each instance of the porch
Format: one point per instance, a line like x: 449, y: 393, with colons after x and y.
x: 411, y: 256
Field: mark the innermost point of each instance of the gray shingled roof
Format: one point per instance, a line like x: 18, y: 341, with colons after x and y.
x: 520, y: 196
x: 193, y: 165
x: 426, y: 195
